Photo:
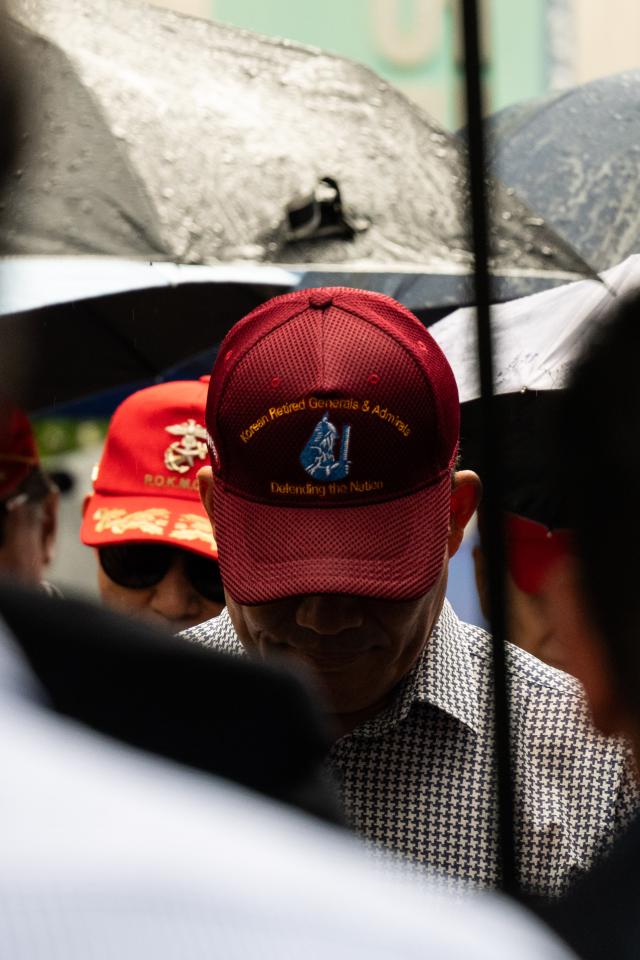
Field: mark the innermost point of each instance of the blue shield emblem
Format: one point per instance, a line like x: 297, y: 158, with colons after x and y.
x: 318, y: 457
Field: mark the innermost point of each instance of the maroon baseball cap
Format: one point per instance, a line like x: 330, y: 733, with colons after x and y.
x: 18, y: 451
x: 333, y: 422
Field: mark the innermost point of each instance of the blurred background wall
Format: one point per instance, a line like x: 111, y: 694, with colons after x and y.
x: 532, y: 46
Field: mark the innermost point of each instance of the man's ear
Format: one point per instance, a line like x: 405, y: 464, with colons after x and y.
x: 206, y: 483
x: 465, y: 496
x: 586, y: 656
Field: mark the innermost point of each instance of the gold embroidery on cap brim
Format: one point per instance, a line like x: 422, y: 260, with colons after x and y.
x: 152, y: 521
x: 191, y: 526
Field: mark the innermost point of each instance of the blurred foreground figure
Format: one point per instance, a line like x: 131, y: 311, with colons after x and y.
x: 595, y: 601
x: 112, y: 854
x: 334, y: 421
x: 28, y: 500
x: 157, y: 558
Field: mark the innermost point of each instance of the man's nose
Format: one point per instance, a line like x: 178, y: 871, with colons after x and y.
x: 174, y: 598
x: 329, y: 614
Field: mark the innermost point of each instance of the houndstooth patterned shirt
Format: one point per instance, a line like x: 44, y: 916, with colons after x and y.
x: 418, y: 779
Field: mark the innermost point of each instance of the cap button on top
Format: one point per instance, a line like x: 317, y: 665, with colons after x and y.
x: 320, y: 299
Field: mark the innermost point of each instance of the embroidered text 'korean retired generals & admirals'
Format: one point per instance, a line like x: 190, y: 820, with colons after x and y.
x: 333, y: 419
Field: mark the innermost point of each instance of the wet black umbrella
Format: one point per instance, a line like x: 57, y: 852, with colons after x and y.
x: 574, y: 156
x: 74, y: 326
x: 170, y: 137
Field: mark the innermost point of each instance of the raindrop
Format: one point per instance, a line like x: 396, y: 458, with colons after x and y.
x: 441, y: 153
x: 119, y: 133
x: 546, y: 251
x: 506, y: 215
x: 511, y: 192
x: 375, y: 102
x: 18, y: 173
x: 534, y: 221
x: 168, y: 193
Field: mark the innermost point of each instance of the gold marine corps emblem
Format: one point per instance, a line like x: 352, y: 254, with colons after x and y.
x: 181, y: 455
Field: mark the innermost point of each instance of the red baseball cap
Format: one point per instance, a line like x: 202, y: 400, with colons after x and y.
x: 145, y: 488
x: 18, y: 452
x: 532, y: 550
x: 333, y: 419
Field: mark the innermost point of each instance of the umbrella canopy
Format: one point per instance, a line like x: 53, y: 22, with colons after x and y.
x: 574, y: 156
x: 81, y: 325
x: 165, y: 136
x: 536, y: 339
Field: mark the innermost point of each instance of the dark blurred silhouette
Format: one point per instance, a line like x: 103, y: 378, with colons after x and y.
x: 595, y: 601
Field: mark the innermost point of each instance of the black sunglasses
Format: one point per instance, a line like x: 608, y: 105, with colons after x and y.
x: 142, y: 565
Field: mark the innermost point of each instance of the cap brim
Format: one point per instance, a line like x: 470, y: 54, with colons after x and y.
x: 171, y: 520
x: 392, y: 550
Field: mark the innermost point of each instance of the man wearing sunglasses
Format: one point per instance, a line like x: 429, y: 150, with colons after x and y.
x: 157, y: 558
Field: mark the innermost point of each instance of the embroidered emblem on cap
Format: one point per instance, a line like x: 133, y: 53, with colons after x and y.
x: 182, y: 454
x: 318, y: 457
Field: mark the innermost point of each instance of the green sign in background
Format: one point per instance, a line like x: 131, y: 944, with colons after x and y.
x: 514, y: 33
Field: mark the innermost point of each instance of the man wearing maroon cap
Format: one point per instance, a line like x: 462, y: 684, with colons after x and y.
x: 28, y: 500
x: 333, y: 421
x: 157, y: 557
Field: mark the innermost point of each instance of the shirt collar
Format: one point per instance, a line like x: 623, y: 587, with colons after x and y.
x: 444, y: 677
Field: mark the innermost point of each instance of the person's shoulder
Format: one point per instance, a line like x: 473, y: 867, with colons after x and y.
x: 217, y: 634
x: 525, y: 670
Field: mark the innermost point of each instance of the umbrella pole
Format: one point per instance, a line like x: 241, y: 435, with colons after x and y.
x: 492, y: 471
